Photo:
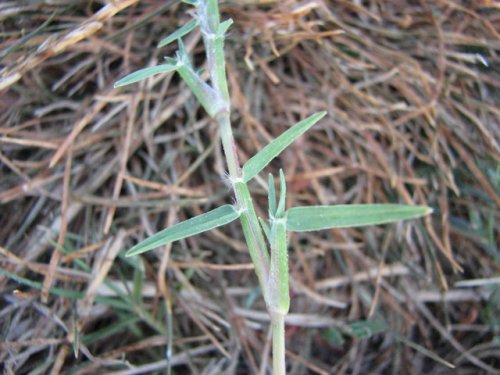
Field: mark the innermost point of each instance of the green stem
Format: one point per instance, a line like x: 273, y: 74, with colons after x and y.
x: 253, y: 236
x: 279, y: 294
x: 214, y: 46
x: 249, y: 222
x: 229, y: 146
x: 214, y: 43
x: 278, y: 328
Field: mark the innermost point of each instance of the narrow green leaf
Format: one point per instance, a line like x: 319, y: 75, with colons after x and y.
x: 137, y: 284
x: 265, y: 228
x: 190, y: 2
x: 334, y: 336
x: 366, y: 328
x: 259, y: 161
x: 303, y: 219
x: 76, y: 331
x: 198, y: 224
x: 179, y: 33
x: 142, y: 74
x: 201, y: 71
x: 124, y: 324
x: 182, y: 54
x: 224, y: 26
x: 38, y: 285
x: 170, y: 60
x: 280, y: 211
x: 271, y: 195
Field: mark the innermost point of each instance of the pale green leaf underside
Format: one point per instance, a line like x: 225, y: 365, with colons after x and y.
x: 179, y: 33
x: 198, y: 224
x: 142, y: 74
x: 260, y: 160
x: 309, y: 218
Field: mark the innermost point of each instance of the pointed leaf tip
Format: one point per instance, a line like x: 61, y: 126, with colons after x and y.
x: 312, y: 218
x: 224, y: 26
x: 198, y: 224
x: 142, y: 74
x: 271, y: 196
x: 280, y: 211
x: 179, y: 33
x: 260, y: 160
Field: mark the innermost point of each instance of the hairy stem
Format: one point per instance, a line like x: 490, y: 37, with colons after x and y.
x: 253, y: 236
x: 229, y: 146
x: 214, y: 44
x: 249, y: 222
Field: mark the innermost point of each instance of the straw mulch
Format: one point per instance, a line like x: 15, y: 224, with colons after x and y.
x: 411, y: 90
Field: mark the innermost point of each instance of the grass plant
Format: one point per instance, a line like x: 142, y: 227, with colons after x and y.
x: 87, y: 171
x: 266, y: 239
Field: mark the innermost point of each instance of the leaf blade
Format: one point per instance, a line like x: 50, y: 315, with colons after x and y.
x: 198, y: 224
x: 260, y: 160
x: 224, y: 26
x: 271, y: 196
x: 311, y: 218
x: 142, y: 74
x: 280, y: 211
x: 179, y: 33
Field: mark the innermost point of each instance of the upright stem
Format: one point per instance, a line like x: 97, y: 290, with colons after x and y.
x: 214, y: 43
x: 254, y: 237
x: 229, y: 146
x: 278, y: 328
x: 249, y: 222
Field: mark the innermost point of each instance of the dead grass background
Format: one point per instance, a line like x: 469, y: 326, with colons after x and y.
x: 411, y: 88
